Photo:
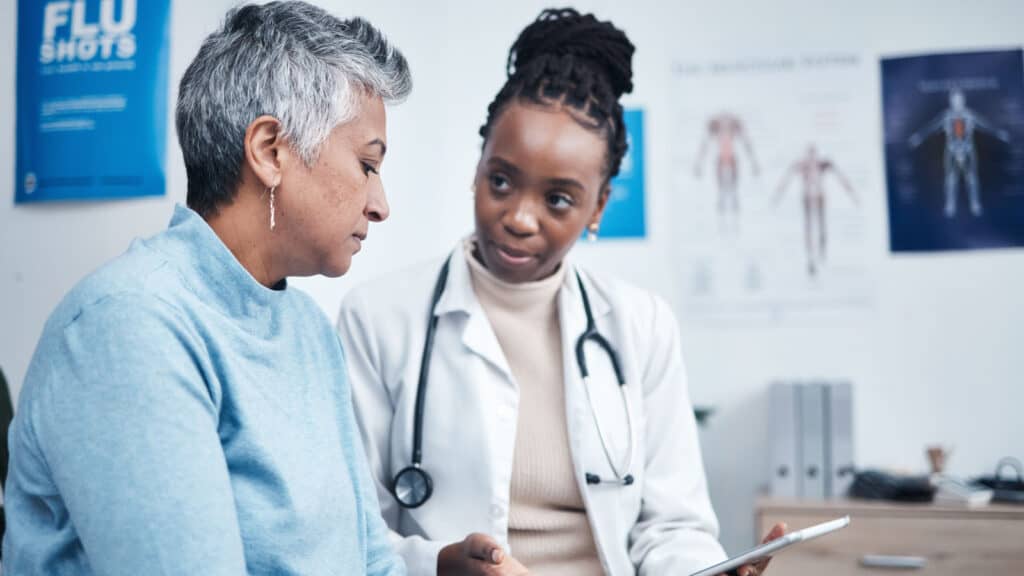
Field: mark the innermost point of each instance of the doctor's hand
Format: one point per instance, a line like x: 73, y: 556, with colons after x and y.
x: 478, y: 554
x: 758, y: 568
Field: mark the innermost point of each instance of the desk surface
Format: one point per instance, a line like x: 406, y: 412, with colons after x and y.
x: 940, y: 540
x: 840, y: 506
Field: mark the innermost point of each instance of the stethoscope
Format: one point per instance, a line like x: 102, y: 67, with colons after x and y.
x: 412, y: 486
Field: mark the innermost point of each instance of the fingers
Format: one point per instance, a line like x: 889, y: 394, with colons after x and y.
x: 777, y: 531
x: 755, y: 569
x: 477, y: 555
x: 512, y: 567
x: 483, y: 547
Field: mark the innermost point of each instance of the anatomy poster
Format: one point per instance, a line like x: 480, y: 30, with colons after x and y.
x: 954, y: 150
x: 773, y: 183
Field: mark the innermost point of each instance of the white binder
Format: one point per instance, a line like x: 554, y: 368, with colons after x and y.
x: 812, y: 455
x: 784, y: 468
x: 840, y: 456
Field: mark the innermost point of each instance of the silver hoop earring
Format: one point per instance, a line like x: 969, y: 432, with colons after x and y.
x: 273, y: 223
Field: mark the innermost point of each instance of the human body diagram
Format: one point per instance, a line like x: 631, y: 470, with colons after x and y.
x: 960, y: 160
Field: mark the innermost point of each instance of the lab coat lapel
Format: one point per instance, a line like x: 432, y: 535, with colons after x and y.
x: 477, y: 335
x: 602, y: 503
x: 573, y: 322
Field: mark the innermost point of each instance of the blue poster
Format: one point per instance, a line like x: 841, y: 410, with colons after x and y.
x: 92, y: 99
x: 954, y: 150
x: 624, y: 217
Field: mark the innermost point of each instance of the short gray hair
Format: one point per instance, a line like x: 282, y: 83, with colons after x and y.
x: 289, y: 60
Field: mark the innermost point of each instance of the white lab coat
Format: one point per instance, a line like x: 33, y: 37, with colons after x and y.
x: 662, y: 524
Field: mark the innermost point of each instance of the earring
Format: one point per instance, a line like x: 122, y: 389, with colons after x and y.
x: 592, y: 232
x: 272, y: 221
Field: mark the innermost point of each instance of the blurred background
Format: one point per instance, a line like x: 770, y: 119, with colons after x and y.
x: 927, y: 334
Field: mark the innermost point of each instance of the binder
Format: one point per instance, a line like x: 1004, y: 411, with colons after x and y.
x: 813, y: 440
x: 840, y: 456
x: 784, y: 435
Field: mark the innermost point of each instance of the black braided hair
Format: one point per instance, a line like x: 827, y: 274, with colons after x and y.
x: 572, y: 59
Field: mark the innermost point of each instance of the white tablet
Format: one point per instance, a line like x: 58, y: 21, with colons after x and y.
x: 767, y: 550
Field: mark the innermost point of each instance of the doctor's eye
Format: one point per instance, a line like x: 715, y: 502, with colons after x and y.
x: 499, y: 182
x: 560, y: 200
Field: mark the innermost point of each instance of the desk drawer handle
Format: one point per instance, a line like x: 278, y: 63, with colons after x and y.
x: 886, y: 561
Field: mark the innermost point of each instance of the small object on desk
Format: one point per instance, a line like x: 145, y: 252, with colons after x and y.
x: 879, y: 485
x: 938, y: 457
x: 894, y: 562
x: 955, y: 492
x: 1005, y: 489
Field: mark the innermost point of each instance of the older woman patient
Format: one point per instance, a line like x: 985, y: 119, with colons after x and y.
x: 186, y: 411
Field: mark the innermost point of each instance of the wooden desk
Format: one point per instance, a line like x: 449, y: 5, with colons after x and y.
x: 950, y: 541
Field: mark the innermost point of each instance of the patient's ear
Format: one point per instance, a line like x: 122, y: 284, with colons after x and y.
x: 266, y: 150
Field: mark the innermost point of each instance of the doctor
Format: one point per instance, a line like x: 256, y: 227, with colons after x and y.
x: 507, y: 394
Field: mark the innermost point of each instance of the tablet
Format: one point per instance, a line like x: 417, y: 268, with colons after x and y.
x: 768, y: 549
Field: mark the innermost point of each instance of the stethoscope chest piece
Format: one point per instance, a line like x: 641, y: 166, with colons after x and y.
x: 412, y: 486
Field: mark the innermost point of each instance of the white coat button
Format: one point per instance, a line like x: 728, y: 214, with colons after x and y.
x: 497, y: 510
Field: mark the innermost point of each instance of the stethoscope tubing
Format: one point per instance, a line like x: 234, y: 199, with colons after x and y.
x: 407, y: 496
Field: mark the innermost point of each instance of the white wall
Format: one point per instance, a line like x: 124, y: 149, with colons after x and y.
x: 934, y: 359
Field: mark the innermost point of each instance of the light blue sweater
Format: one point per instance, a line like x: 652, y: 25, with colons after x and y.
x: 180, y: 418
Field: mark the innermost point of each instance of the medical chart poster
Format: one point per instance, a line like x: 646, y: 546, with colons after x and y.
x: 775, y: 173
x: 91, y: 99
x: 624, y: 216
x: 954, y: 150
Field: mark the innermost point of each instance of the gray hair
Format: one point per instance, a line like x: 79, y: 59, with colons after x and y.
x: 289, y: 60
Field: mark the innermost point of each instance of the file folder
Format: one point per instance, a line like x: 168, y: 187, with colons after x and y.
x: 784, y: 436
x: 813, y: 440
x: 839, y: 417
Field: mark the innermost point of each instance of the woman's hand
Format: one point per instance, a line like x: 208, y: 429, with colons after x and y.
x: 758, y: 568
x: 477, y: 554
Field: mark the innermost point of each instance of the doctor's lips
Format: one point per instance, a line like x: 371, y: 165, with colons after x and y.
x: 512, y: 256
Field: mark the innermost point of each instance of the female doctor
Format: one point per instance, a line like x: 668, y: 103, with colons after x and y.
x: 507, y: 394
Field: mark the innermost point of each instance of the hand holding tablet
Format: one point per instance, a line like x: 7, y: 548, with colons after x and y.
x: 767, y: 549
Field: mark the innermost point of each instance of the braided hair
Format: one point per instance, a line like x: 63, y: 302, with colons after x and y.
x: 572, y: 59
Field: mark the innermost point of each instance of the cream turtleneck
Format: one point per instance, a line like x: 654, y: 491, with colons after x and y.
x: 548, y: 528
